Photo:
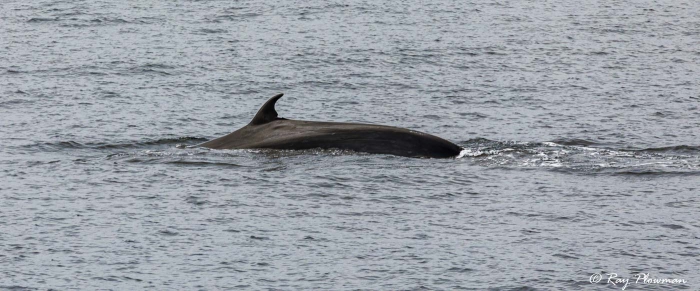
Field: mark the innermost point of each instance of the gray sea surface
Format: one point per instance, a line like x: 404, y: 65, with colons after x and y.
x: 579, y: 121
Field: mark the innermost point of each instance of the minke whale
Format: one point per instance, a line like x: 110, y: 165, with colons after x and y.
x: 268, y: 131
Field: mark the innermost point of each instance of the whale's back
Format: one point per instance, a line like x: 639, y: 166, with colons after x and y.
x: 369, y: 138
x: 268, y: 131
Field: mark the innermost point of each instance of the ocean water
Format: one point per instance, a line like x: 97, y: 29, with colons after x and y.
x: 579, y: 121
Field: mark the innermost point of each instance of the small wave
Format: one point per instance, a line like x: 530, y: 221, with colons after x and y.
x: 61, y: 145
x: 151, y: 71
x: 652, y: 173
x: 16, y: 288
x: 573, y: 142
x: 108, y: 20
x: 202, y: 163
x: 474, y: 115
x: 160, y: 69
x: 236, y: 16
x: 158, y: 66
x: 565, y: 256
x: 211, y: 31
x: 162, y: 141
x: 55, y: 71
x: 68, y: 13
x: 81, y: 19
x: 687, y: 149
x: 11, y: 102
x: 42, y: 19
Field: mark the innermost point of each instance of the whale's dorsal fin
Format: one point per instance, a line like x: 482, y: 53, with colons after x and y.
x: 267, y: 112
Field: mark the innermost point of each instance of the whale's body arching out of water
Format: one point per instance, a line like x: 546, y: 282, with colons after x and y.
x: 267, y: 131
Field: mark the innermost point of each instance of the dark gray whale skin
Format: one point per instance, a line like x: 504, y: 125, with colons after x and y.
x: 267, y: 131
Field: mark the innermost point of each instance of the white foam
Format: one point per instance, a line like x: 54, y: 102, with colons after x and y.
x: 463, y: 153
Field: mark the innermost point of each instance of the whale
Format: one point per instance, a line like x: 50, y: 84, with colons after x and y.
x: 269, y: 131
